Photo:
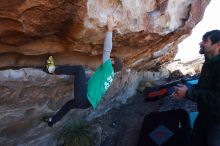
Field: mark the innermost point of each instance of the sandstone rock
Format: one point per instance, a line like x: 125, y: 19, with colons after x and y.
x: 179, y: 68
x: 24, y: 101
x: 73, y: 31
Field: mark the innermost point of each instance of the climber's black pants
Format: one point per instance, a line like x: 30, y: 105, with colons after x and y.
x: 80, y: 90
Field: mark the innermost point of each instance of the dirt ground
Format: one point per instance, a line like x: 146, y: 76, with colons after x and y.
x: 121, y: 127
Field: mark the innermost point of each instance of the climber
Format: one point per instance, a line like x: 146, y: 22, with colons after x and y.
x: 89, y: 93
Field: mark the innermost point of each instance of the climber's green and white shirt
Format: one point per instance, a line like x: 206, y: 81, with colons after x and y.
x: 99, y: 82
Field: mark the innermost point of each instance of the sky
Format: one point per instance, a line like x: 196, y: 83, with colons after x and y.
x: 189, y: 48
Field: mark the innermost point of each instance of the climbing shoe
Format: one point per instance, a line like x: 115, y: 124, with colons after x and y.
x: 48, y: 120
x: 50, y: 65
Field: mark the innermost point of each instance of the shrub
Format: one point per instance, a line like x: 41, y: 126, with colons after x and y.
x: 75, y: 134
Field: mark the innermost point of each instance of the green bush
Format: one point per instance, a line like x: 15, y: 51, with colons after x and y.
x: 76, y: 134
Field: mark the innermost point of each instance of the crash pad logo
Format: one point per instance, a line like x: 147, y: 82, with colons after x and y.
x: 160, y: 135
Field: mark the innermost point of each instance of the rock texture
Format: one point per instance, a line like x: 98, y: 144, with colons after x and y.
x: 73, y: 30
x: 29, y: 94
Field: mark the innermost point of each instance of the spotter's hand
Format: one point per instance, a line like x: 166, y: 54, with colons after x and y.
x: 180, y: 91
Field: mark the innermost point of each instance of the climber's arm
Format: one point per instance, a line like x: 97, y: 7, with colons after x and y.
x: 108, y: 39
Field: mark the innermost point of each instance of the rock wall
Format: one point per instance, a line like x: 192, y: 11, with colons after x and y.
x: 29, y: 94
x: 73, y: 30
